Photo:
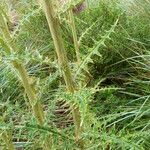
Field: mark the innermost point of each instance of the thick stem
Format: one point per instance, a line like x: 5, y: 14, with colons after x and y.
x: 58, y: 42
x: 6, y: 137
x: 34, y: 102
x: 54, y: 26
x: 74, y: 33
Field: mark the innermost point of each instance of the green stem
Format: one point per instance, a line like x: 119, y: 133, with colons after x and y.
x: 54, y: 26
x: 76, y: 43
x: 34, y: 103
x: 33, y: 100
x: 53, y: 23
x: 74, y: 33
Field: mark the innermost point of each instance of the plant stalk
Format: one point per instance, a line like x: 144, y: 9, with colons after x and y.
x: 33, y: 100
x: 54, y: 26
x: 75, y: 40
x: 34, y: 103
x: 74, y: 34
x: 6, y: 137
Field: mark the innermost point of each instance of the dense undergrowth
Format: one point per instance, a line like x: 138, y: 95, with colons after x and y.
x: 113, y: 79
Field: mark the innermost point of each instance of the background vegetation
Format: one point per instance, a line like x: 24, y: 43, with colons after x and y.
x: 113, y: 78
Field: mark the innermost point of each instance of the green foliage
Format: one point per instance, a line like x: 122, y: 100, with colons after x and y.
x: 114, y: 103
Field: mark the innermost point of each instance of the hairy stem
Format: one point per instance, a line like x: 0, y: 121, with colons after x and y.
x: 54, y: 26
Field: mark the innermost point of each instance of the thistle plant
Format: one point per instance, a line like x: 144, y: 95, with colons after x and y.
x: 54, y: 26
x: 10, y: 48
x: 110, y: 111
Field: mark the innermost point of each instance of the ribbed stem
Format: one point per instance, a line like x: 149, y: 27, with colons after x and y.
x: 34, y: 103
x: 33, y: 100
x: 6, y: 137
x: 74, y: 33
x: 54, y: 26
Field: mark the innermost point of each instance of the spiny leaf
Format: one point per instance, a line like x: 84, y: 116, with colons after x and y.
x: 95, y: 49
x: 87, y: 31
